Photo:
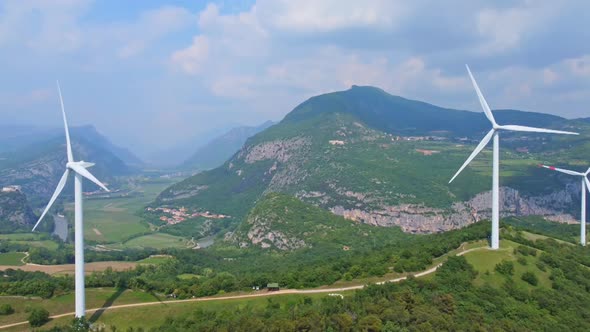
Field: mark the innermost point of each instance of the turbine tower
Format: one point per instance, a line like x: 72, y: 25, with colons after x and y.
x: 585, y: 185
x: 494, y: 133
x: 79, y: 168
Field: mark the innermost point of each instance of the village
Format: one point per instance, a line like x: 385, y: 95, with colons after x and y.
x: 176, y: 216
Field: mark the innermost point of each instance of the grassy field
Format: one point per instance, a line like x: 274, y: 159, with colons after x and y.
x: 95, y: 297
x: 485, y: 260
x: 21, y: 237
x: 155, y: 260
x: 11, y: 258
x: 146, y: 317
x: 157, y: 241
x: 115, y: 219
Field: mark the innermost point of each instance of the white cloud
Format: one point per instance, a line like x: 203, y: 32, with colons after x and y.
x: 330, y: 15
x: 192, y: 59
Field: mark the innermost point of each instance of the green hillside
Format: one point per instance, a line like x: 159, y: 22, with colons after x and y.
x: 386, y: 160
x: 283, y: 222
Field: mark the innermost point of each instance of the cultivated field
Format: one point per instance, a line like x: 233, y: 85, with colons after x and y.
x: 157, y: 241
x: 69, y: 268
x: 11, y: 258
x: 113, y: 220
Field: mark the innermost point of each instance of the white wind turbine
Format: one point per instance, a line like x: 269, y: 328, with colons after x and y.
x: 494, y: 132
x: 585, y: 185
x: 80, y: 170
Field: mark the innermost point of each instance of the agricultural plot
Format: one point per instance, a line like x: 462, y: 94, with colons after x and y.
x: 12, y: 258
x: 115, y: 219
x: 157, y: 241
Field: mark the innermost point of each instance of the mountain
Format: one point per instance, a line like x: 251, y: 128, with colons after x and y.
x: 38, y: 167
x: 91, y: 135
x: 176, y: 154
x: 221, y: 148
x: 385, y: 160
x: 15, y: 137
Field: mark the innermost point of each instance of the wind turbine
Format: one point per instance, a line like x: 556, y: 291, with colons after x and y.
x: 494, y: 133
x: 79, y: 168
x: 585, y: 185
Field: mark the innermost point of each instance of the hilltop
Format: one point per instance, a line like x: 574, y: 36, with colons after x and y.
x: 385, y: 160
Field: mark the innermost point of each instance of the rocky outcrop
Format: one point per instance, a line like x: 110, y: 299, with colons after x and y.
x: 421, y: 219
x: 15, y: 212
x: 261, y: 234
x: 279, y: 150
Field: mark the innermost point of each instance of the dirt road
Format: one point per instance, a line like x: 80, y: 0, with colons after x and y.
x: 254, y: 295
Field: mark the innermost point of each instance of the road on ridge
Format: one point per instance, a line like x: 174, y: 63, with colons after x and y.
x: 245, y: 296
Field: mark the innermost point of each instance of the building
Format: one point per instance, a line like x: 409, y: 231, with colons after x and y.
x: 11, y: 189
x: 273, y: 286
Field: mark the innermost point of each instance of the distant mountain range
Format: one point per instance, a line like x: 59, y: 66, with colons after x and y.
x: 221, y: 148
x: 386, y: 160
x: 35, y: 160
x: 15, y: 137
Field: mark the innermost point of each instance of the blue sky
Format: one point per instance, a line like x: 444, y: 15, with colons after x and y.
x: 149, y: 74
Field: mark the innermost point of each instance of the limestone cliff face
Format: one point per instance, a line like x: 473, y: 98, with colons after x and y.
x: 263, y: 232
x: 15, y: 212
x: 422, y: 219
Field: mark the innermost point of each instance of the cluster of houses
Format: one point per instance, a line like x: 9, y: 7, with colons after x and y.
x: 175, y: 216
x: 11, y: 189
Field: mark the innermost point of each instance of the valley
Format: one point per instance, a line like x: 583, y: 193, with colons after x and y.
x: 335, y: 198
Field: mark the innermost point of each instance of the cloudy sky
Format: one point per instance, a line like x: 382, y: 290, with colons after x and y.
x: 149, y: 74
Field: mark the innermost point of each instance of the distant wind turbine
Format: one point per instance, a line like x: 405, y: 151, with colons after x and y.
x: 585, y: 185
x: 80, y: 170
x: 494, y: 132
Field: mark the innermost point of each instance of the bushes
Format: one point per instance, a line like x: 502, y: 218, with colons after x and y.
x: 505, y: 267
x: 38, y: 317
x: 530, y: 277
x: 6, y: 309
x: 525, y: 251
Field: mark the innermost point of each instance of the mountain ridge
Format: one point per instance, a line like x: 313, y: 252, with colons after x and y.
x: 345, y: 156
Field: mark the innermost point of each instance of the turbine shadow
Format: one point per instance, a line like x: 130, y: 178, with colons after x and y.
x: 109, y: 302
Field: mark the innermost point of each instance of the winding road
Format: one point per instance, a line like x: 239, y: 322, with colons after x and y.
x: 246, y: 296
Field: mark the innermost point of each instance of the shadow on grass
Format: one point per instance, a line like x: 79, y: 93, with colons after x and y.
x: 109, y: 302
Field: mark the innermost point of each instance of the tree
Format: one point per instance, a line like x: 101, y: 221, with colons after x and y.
x: 6, y: 309
x: 38, y: 317
x: 370, y: 323
x: 505, y: 267
x: 530, y: 277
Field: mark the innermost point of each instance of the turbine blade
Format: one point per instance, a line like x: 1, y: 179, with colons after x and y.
x: 475, y: 152
x: 484, y: 104
x: 84, y: 172
x: 588, y: 171
x: 566, y: 171
x: 60, y: 186
x: 535, y: 130
x: 63, y: 112
x: 587, y: 183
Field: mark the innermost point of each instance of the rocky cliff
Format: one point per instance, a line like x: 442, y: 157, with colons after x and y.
x: 15, y: 213
x: 422, y: 219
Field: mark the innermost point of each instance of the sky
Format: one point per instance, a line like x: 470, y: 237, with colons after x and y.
x: 151, y: 74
